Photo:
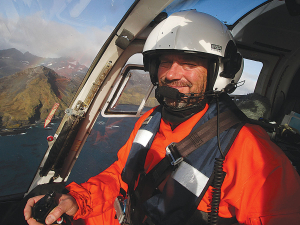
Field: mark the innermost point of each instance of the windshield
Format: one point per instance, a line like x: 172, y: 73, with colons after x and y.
x: 46, y: 48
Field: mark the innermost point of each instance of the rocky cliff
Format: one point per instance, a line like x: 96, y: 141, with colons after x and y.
x: 29, y: 95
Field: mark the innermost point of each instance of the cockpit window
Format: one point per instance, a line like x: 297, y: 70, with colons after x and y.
x: 45, y: 51
x: 249, y: 77
x: 133, y: 93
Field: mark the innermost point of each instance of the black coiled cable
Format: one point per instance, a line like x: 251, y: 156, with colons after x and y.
x: 216, y: 191
x: 218, y: 178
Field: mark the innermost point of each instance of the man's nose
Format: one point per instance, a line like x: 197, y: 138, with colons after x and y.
x: 175, y: 72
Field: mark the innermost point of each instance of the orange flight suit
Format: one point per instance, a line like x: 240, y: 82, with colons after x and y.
x: 261, y: 185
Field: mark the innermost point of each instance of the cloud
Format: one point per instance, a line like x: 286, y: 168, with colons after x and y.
x: 51, y: 39
x: 79, y: 7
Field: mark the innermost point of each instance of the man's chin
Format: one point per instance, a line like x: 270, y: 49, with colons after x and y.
x: 182, y: 103
x: 175, y: 104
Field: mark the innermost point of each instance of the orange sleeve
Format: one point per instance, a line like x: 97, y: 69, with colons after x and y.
x: 261, y: 185
x: 97, y: 195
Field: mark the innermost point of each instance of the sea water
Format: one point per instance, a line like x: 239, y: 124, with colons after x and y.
x: 21, y: 154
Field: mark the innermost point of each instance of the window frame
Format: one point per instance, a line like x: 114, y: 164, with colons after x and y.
x: 117, y: 91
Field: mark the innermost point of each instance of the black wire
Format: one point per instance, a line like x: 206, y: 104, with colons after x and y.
x: 216, y: 191
x: 218, y: 127
x: 218, y: 177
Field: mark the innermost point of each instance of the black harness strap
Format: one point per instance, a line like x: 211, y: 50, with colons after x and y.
x: 204, y: 133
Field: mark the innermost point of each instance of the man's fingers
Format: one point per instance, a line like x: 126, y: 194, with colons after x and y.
x: 32, y: 221
x: 67, y: 204
x: 28, y: 207
x: 70, y: 203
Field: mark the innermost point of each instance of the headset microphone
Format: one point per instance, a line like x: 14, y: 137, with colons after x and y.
x: 162, y: 92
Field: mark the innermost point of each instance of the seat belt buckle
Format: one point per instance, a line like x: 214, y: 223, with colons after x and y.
x: 169, y: 149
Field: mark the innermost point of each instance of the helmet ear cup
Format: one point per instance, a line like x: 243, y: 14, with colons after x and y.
x: 151, y: 64
x: 232, y: 61
x: 153, y: 69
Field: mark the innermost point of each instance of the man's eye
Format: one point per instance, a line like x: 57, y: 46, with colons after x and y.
x: 188, y: 64
x: 165, y: 64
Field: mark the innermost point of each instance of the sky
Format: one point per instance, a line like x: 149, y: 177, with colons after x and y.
x: 56, y: 28
x: 78, y: 28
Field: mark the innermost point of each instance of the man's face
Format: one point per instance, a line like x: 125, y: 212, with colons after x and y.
x: 187, y: 73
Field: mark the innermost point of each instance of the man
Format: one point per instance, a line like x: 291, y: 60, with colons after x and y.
x: 193, y: 58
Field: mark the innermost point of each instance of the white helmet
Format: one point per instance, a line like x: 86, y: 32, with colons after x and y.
x: 196, y: 33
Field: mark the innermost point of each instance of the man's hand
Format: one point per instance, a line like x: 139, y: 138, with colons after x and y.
x: 67, y: 204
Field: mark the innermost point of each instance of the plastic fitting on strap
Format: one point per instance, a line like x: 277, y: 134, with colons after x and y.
x: 169, y: 150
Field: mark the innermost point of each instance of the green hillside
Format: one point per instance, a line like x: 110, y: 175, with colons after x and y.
x: 29, y: 95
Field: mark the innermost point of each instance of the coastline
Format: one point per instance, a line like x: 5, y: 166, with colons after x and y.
x: 21, y: 130
x: 14, y: 131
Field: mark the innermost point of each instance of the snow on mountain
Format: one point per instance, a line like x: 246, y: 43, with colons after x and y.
x: 12, y: 61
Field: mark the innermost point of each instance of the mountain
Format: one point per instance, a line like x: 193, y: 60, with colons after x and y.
x: 66, y: 67
x: 29, y: 95
x: 12, y: 61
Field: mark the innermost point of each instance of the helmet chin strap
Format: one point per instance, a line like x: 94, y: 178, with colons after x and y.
x: 174, y: 114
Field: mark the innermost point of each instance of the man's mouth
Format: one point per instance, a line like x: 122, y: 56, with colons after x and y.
x: 176, y: 84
